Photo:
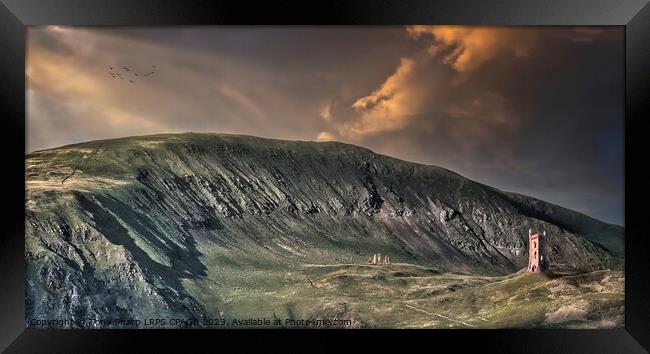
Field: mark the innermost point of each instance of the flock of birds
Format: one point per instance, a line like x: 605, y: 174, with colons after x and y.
x: 125, y: 76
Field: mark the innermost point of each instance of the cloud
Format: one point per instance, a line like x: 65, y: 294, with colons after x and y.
x: 418, y: 95
x: 326, y: 111
x: 325, y: 136
x: 591, y: 34
x: 487, y: 102
x: 388, y: 108
x: 192, y: 90
x: 388, y: 89
x: 528, y: 109
x: 52, y: 119
x: 466, y: 48
x: 240, y: 99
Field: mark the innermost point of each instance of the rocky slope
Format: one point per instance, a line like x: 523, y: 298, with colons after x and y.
x: 133, y: 227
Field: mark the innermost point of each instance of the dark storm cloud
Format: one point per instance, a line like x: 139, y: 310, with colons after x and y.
x: 534, y: 111
x: 537, y: 110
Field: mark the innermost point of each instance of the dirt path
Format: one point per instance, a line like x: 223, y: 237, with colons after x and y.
x: 331, y: 265
x: 439, y: 315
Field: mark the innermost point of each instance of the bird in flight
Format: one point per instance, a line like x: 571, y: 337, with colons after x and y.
x: 134, y: 74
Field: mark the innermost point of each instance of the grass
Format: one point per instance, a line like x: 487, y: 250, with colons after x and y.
x: 409, y: 296
x: 217, y: 226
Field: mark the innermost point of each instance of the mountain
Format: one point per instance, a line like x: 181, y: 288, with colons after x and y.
x: 176, y: 225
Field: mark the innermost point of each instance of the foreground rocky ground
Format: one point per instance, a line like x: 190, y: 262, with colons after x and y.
x: 221, y: 226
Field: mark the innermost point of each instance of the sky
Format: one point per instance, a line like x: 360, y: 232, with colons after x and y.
x: 533, y: 110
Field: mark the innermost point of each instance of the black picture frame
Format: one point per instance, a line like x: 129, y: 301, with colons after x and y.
x: 15, y: 15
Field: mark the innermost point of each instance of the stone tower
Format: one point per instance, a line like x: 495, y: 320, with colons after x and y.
x: 536, y: 262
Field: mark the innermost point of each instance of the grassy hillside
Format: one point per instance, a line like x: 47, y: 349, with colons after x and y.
x: 409, y: 296
x: 190, y: 224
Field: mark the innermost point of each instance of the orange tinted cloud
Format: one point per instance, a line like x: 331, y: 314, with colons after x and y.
x: 325, y: 136
x: 416, y: 91
x: 467, y: 47
x: 388, y: 89
x: 55, y: 72
x: 472, y: 99
x: 387, y: 108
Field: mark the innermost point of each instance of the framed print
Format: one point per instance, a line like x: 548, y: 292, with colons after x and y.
x: 398, y: 171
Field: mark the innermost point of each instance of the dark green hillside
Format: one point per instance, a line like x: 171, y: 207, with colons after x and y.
x: 191, y: 224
